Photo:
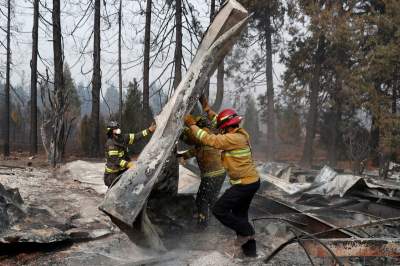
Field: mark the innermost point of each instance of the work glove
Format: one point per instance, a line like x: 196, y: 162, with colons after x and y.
x: 189, y: 120
x: 153, y: 127
x: 130, y: 165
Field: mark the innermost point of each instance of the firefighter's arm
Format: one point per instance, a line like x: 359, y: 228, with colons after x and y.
x: 220, y: 142
x: 207, y: 109
x: 188, y: 137
x: 133, y: 137
x: 113, y: 158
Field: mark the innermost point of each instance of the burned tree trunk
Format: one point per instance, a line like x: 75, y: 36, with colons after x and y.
x: 220, y: 87
x: 178, y: 43
x: 312, y: 116
x: 56, y: 150
x: 335, y: 122
x: 96, y: 82
x: 334, y: 129
x: 270, y: 88
x: 6, y: 135
x: 35, y: 38
x: 146, y: 63
x: 374, y: 141
x: 120, y: 61
x: 58, y: 53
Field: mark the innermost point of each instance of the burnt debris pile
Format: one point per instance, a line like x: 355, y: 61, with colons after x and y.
x: 330, y: 213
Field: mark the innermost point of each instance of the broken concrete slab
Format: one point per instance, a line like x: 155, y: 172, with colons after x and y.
x: 89, y: 174
x: 11, y: 207
x: 52, y: 209
x: 24, y: 224
x: 125, y: 200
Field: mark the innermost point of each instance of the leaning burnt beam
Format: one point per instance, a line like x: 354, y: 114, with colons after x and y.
x: 125, y: 200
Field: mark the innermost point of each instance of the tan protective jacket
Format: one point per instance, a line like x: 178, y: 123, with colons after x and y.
x: 236, y: 153
x: 208, y: 158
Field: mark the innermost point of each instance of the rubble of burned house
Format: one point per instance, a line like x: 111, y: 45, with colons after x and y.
x: 333, y: 215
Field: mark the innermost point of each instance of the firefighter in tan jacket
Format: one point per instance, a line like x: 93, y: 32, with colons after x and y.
x: 211, y: 170
x: 232, y: 208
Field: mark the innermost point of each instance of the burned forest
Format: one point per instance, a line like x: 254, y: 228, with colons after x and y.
x: 201, y: 133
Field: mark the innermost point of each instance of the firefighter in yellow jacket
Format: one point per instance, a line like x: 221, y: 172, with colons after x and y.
x: 118, y: 160
x: 211, y: 170
x: 232, y: 207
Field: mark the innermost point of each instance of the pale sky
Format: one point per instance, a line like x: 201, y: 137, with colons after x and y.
x: 132, y: 34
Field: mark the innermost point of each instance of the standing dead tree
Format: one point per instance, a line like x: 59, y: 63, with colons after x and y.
x: 174, y: 36
x: 120, y: 60
x: 34, y: 61
x: 57, y: 145
x: 178, y: 43
x: 146, y: 58
x: 56, y: 124
x: 6, y: 126
x: 96, y: 82
x: 357, y: 139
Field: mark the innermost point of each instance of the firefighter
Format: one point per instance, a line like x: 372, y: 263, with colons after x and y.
x: 118, y: 160
x: 211, y: 170
x: 231, y: 209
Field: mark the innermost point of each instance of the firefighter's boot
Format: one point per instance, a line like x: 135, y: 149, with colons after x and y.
x: 250, y: 248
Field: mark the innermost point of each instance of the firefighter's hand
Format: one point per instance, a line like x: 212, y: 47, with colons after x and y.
x: 189, y: 120
x: 153, y: 127
x: 204, y: 103
x: 131, y: 165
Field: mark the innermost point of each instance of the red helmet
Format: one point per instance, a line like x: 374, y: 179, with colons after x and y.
x: 228, y: 117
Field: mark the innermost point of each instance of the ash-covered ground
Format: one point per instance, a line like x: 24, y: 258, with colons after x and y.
x: 71, y: 195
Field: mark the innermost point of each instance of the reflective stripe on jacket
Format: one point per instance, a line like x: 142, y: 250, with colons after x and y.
x: 236, y: 156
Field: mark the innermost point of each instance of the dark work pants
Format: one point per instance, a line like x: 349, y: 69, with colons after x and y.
x: 110, y: 178
x: 208, y: 193
x: 232, y: 209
